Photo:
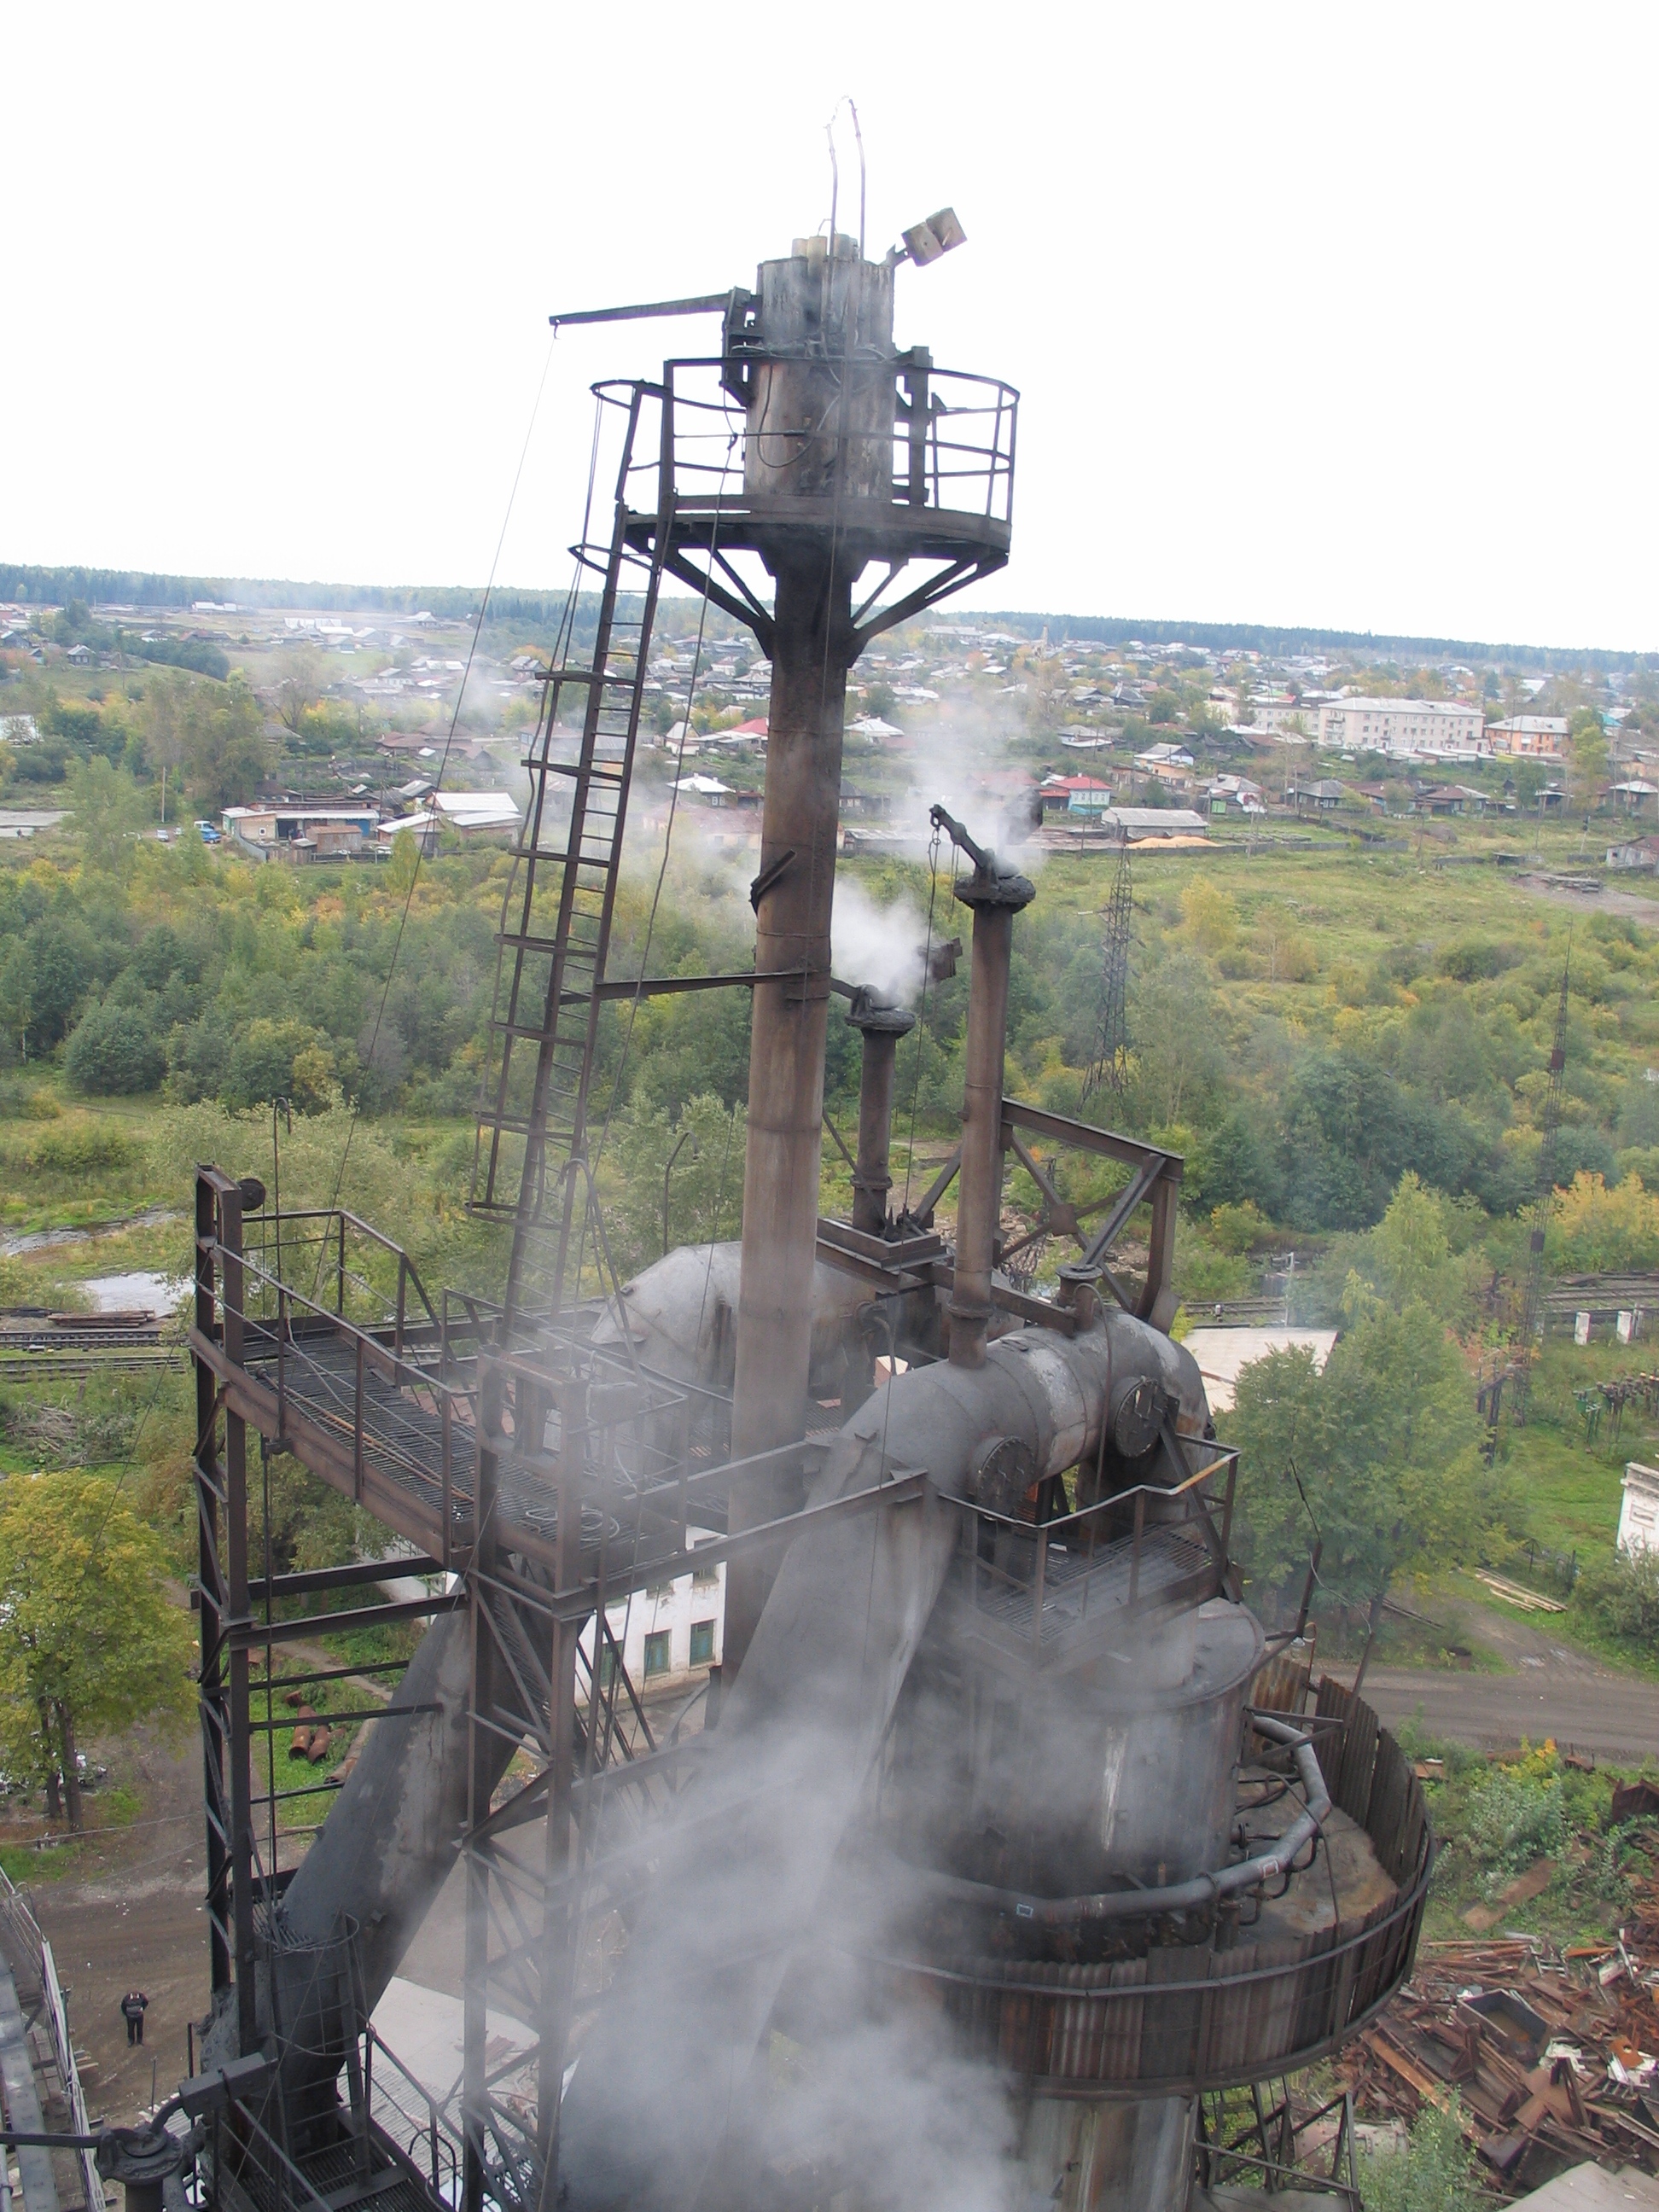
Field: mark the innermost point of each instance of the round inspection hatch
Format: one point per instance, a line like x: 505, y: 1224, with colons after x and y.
x: 1004, y: 1477
x: 1135, y: 1417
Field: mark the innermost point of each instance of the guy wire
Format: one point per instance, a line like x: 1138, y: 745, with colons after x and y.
x: 443, y: 765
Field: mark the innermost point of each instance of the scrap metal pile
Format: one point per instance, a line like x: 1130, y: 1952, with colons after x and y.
x: 1551, y: 2056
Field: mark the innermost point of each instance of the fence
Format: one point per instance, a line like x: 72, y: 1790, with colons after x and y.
x: 41, y: 1994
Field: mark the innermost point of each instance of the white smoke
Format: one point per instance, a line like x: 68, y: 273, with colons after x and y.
x: 883, y: 946
x: 962, y: 762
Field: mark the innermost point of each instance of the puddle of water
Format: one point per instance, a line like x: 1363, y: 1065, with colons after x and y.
x: 41, y: 1240
x: 156, y: 1293
x: 47, y: 1240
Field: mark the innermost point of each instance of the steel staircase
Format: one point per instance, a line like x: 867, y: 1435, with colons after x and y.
x: 555, y: 924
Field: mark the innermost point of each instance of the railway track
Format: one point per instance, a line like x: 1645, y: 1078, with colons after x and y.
x: 38, y: 1346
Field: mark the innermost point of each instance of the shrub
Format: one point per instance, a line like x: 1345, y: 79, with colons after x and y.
x: 1473, y: 959
x: 1621, y: 1595
x: 20, y: 1103
x: 1583, y: 1149
x: 80, y: 1148
x: 1239, y: 1228
x: 1594, y: 1227
x: 1515, y: 1816
x: 262, y: 1064
x: 1205, y: 1274
x: 1435, y: 2173
x: 113, y: 1052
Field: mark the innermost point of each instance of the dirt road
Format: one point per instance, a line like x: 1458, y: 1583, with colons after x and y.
x: 130, y: 1916
x: 1554, y: 1691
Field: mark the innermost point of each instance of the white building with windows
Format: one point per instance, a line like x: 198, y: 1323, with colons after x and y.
x: 671, y: 1632
x: 1276, y: 714
x: 1433, y: 729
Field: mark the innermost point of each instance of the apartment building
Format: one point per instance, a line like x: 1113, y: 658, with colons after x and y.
x: 1435, y: 728
x: 1274, y: 711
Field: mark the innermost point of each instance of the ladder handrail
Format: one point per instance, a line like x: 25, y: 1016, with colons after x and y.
x: 564, y: 1030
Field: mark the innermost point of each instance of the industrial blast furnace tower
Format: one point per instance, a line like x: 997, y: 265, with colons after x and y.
x: 986, y: 1831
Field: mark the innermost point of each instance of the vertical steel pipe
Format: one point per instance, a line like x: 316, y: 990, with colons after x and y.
x: 213, y: 1710
x: 232, y: 1313
x: 995, y: 898
x: 881, y: 1028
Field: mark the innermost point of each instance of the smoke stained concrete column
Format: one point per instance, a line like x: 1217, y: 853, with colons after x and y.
x: 812, y: 647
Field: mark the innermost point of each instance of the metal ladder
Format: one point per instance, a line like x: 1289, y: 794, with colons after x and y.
x: 556, y: 927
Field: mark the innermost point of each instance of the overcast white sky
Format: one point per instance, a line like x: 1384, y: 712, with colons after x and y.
x: 1325, y: 315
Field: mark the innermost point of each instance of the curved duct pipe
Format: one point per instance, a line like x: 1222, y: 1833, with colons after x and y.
x: 1190, y: 1896
x: 391, y: 1837
x: 644, y: 2121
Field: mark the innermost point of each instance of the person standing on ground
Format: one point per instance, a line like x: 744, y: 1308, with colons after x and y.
x: 133, y: 2006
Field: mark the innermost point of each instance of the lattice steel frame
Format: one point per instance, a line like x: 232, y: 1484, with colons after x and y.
x: 1109, y: 1066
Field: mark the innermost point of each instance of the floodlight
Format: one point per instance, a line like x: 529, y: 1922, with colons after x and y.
x: 926, y: 241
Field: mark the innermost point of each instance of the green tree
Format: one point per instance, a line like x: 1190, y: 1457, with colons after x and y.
x: 108, y: 809
x: 705, y: 1182
x: 1046, y: 694
x: 64, y: 963
x: 405, y: 863
x: 299, y: 684
x: 225, y: 749
x: 114, y: 1052
x: 1178, y: 1056
x: 1414, y: 1249
x: 1587, y: 758
x: 1210, y: 914
x: 1384, y: 1444
x: 78, y: 721
x: 16, y: 994
x: 262, y: 1066
x: 89, y: 1640
x: 163, y: 730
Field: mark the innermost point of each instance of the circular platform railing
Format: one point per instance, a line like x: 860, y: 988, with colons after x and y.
x: 1183, y: 2018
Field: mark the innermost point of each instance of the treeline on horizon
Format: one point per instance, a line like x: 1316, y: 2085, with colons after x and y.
x: 31, y: 584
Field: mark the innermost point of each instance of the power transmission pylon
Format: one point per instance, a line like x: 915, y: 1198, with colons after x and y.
x: 1543, y: 1204
x: 1111, y: 1064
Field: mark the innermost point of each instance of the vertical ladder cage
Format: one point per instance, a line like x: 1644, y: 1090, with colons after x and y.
x: 557, y: 914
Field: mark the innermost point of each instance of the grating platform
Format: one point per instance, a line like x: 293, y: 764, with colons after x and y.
x: 389, y: 1433
x: 1083, y: 1595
